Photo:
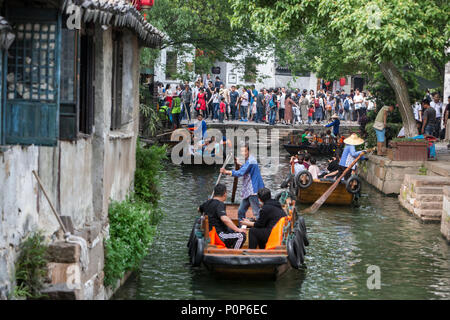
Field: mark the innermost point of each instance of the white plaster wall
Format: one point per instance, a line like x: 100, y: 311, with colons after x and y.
x: 160, y: 65
x: 18, y: 215
x: 447, y: 80
x: 120, y: 147
x: 76, y: 191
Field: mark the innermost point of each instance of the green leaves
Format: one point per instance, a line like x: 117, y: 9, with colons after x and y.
x: 205, y: 25
x: 355, y: 30
x: 31, y: 267
x: 132, y: 227
x: 148, y: 165
x: 132, y: 223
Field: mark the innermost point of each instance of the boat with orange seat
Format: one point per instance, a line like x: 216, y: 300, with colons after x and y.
x: 285, y: 248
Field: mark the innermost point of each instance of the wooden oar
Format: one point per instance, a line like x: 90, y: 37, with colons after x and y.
x: 235, y: 181
x: 220, y: 175
x: 316, y: 205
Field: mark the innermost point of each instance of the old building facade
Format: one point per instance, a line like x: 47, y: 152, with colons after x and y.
x: 70, y: 112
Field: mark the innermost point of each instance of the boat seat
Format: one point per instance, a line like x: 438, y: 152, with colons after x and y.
x: 215, y: 239
x: 276, y: 235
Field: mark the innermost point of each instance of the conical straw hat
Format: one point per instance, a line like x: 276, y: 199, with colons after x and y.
x: 335, y: 116
x: 354, y: 140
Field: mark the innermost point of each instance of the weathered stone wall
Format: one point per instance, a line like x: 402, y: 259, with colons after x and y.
x: 80, y: 177
x: 445, y: 223
x: 23, y: 206
x: 387, y: 175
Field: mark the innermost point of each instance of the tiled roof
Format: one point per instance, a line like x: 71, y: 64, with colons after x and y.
x: 118, y: 13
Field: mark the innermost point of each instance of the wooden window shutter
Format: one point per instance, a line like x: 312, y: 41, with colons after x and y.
x: 31, y: 108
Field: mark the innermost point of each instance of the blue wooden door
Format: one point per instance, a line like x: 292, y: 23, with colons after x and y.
x: 31, y: 111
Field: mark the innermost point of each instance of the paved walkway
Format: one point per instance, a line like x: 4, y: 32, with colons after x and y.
x: 441, y: 166
x: 237, y: 123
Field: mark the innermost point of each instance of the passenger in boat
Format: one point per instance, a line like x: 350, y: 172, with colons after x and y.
x: 252, y: 182
x: 232, y: 236
x: 349, y: 154
x: 307, y: 162
x: 332, y: 168
x: 298, y: 163
x: 306, y: 137
x: 270, y: 213
x: 314, y: 169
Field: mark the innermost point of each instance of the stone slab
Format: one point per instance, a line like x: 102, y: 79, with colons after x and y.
x: 61, y: 292
x: 420, y: 180
x: 445, y: 221
x: 64, y: 252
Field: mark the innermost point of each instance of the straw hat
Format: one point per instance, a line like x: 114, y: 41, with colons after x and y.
x: 354, y: 140
x: 335, y: 116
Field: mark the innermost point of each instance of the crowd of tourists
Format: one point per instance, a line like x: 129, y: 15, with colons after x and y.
x: 217, y: 102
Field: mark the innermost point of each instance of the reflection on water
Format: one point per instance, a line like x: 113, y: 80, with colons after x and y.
x: 413, y: 257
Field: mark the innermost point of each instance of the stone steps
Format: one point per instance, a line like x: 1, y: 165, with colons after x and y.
x: 428, y: 190
x: 423, y: 196
x: 429, y: 215
x: 427, y: 197
x: 427, y: 205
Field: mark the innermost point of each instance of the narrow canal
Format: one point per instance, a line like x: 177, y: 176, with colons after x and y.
x: 413, y: 258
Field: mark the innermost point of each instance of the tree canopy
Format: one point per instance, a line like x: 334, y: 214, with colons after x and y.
x: 337, y: 38
x: 204, y: 25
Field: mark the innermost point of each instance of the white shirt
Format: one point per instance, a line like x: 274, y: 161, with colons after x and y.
x: 416, y: 109
x: 244, y: 99
x: 195, y: 94
x: 437, y: 107
x: 357, y: 100
x: 282, y: 100
x: 314, y: 170
x: 298, y: 168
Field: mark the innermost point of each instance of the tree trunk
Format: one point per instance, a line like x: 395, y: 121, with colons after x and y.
x: 398, y: 84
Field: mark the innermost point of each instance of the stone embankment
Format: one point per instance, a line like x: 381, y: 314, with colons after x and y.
x: 423, y: 196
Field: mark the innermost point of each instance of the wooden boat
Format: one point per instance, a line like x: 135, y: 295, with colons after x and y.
x: 294, y: 149
x: 340, y: 196
x: 249, y: 262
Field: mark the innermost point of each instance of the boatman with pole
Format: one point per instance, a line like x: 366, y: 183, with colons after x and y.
x: 349, y: 154
x: 252, y: 182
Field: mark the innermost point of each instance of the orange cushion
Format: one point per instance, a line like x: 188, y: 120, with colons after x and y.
x: 276, y: 236
x: 215, y: 239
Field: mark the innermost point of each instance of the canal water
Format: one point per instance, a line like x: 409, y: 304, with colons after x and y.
x: 413, y: 258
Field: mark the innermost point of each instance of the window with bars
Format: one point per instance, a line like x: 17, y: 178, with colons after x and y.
x: 30, y: 107
x: 116, y: 85
x: 32, y: 63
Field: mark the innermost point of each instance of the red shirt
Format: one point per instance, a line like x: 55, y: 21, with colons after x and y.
x: 222, y: 107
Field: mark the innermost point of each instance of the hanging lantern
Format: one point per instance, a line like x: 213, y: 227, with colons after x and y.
x: 342, y: 81
x: 146, y: 4
x: 143, y: 4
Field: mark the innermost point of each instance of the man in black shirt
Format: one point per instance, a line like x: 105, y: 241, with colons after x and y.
x: 260, y: 103
x: 269, y: 215
x: 429, y: 118
x: 232, y: 236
